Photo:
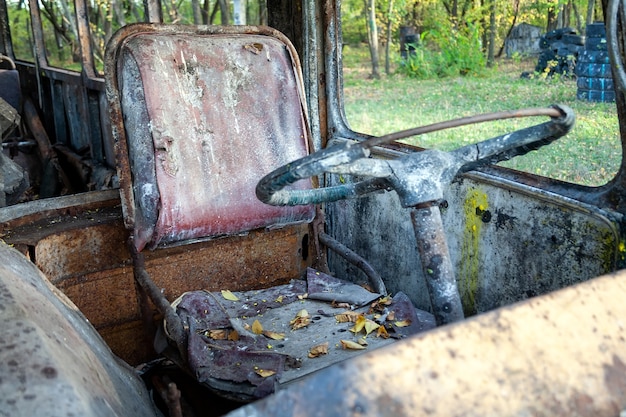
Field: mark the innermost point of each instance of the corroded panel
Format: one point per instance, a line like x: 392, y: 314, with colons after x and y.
x: 507, y: 242
x: 79, y: 251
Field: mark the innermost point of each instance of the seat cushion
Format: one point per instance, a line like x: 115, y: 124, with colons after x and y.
x: 206, y: 116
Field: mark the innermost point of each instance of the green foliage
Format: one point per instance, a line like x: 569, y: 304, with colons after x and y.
x: 353, y: 22
x: 445, y: 53
x: 590, y: 154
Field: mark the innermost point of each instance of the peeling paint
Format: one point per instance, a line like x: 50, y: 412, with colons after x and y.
x: 474, y: 207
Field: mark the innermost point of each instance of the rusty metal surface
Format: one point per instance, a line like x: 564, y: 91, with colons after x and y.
x: 508, y: 242
x: 437, y: 267
x: 33, y: 211
x: 108, y: 296
x: 82, y: 250
x: 562, y: 354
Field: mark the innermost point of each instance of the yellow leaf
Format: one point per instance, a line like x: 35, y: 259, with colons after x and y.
x: 402, y: 323
x: 370, y: 326
x: 265, y: 372
x: 257, y: 328
x: 387, y: 300
x: 229, y: 296
x: 233, y: 336
x: 318, y: 350
x: 362, y: 341
x: 302, y: 313
x: 273, y: 335
x: 381, y: 303
x: 348, y: 344
x: 279, y: 299
x: 359, y: 324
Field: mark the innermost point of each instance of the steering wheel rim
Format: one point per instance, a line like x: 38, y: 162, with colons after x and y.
x: 353, y: 158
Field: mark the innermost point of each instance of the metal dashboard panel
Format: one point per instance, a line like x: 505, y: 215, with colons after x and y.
x: 508, y: 242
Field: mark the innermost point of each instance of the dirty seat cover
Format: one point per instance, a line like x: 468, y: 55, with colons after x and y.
x: 206, y: 117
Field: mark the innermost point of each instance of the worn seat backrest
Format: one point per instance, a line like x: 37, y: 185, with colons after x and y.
x: 199, y: 115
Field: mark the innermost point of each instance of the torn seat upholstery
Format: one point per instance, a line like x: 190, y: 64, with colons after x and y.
x: 200, y: 114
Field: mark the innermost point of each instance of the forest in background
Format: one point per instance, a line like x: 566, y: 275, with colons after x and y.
x: 471, y: 31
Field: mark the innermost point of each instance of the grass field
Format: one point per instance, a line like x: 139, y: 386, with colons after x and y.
x: 589, y: 155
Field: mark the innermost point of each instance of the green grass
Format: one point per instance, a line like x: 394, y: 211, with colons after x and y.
x: 589, y: 155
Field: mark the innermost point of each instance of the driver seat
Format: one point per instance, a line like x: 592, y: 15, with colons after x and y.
x: 199, y: 114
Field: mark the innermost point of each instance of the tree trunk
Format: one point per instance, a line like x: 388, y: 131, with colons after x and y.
x: 372, y: 35
x: 515, y: 14
x: 197, y: 12
x: 387, y: 46
x: 262, y: 12
x: 492, y: 34
x: 579, y: 23
x: 552, y: 20
x: 225, y: 12
x: 591, y: 5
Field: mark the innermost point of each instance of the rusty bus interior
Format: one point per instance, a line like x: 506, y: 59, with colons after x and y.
x: 83, y: 152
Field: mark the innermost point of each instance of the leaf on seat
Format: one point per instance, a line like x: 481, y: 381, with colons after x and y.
x: 302, y: 320
x: 348, y: 344
x: 273, y: 335
x: 318, y: 350
x: 257, y: 327
x: 229, y: 296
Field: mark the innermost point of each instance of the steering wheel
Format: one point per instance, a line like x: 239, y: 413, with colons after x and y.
x: 418, y: 177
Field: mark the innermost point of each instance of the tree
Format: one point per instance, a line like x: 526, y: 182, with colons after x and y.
x: 389, y: 30
x: 372, y: 35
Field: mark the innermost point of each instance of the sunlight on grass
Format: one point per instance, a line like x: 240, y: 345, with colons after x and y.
x: 589, y: 155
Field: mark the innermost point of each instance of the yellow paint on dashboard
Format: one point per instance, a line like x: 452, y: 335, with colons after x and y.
x: 475, y: 204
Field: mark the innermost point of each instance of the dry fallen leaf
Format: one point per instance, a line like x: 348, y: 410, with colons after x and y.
x: 402, y: 323
x: 382, y: 332
x: 381, y: 303
x: 273, y: 335
x: 229, y: 296
x: 265, y: 372
x: 335, y: 304
x: 348, y: 344
x: 359, y: 324
x: 302, y: 320
x: 362, y: 341
x: 233, y: 336
x: 220, y: 334
x: 370, y: 326
x: 318, y: 350
x: 347, y: 316
x: 257, y: 327
x: 391, y: 316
